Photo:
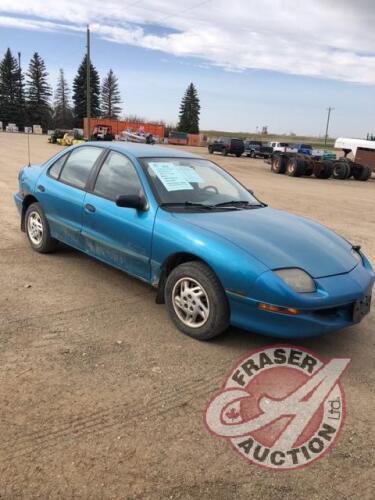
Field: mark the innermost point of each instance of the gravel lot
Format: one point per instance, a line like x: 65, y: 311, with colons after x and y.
x: 102, y: 398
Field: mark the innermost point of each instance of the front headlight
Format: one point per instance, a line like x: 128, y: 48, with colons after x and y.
x: 356, y: 255
x: 297, y: 279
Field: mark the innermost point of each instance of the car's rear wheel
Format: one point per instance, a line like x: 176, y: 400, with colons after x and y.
x: 196, y: 301
x: 37, y: 230
x: 238, y: 155
x: 210, y: 150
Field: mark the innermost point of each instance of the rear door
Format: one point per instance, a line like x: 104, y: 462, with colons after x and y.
x: 61, y: 192
x: 117, y: 235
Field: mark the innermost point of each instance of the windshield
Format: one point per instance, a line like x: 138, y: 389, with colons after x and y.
x: 186, y: 181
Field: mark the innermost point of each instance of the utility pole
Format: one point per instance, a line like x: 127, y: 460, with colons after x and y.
x: 20, y: 86
x: 88, y: 83
x: 328, y: 117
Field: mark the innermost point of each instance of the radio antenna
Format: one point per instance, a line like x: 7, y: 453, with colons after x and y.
x: 28, y: 146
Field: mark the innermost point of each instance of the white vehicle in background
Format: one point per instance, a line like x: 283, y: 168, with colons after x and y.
x: 362, y: 152
x: 139, y: 137
x: 282, y: 147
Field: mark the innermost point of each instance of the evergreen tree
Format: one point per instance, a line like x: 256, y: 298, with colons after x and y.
x: 63, y: 114
x: 189, y: 111
x: 110, y: 97
x: 11, y: 91
x: 38, y: 93
x: 80, y: 93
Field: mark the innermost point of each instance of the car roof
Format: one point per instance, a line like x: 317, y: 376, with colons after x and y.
x: 143, y: 150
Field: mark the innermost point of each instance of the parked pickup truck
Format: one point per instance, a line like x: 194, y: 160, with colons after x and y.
x: 227, y: 145
x: 283, y: 147
x: 256, y: 149
x: 304, y: 149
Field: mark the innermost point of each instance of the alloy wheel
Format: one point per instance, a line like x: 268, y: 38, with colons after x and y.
x: 190, y: 302
x: 35, y: 228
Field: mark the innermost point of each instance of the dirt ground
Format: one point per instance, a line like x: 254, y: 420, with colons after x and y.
x: 101, y: 397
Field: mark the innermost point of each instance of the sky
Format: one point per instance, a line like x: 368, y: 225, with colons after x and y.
x: 279, y: 63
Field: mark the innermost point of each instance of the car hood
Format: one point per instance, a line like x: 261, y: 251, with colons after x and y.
x: 279, y: 239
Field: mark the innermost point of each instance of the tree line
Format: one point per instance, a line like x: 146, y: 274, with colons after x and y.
x: 27, y: 99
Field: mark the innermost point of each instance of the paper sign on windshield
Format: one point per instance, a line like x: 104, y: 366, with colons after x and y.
x: 190, y: 174
x: 174, y: 177
x: 171, y: 176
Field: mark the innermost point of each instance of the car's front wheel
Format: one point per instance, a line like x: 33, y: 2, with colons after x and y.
x: 37, y: 230
x: 196, y: 301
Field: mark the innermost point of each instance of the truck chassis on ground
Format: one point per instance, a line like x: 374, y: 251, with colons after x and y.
x: 297, y: 165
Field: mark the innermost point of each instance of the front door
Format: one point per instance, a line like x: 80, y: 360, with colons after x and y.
x: 117, y: 235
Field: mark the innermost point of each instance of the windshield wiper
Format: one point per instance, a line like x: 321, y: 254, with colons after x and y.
x: 190, y: 204
x: 186, y: 204
x: 237, y: 203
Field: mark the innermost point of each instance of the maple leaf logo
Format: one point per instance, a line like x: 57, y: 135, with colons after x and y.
x: 232, y: 414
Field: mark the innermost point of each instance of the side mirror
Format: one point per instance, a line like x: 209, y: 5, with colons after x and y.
x: 131, y: 201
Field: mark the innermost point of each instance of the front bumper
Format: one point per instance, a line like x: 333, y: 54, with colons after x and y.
x: 328, y: 310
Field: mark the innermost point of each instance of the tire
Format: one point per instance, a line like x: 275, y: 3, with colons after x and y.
x: 295, y: 167
x: 210, y: 150
x: 238, y: 155
x: 309, y: 169
x: 361, y: 172
x: 252, y: 154
x: 35, y: 218
x: 341, y: 170
x: 197, y: 274
x: 278, y: 164
x: 323, y: 169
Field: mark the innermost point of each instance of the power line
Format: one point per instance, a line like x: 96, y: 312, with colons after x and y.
x: 184, y: 10
x: 168, y: 16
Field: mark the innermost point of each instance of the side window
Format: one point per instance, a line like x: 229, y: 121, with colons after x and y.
x: 78, y: 166
x: 55, y: 170
x: 117, y: 177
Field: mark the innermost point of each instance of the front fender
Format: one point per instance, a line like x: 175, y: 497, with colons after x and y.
x: 236, y: 270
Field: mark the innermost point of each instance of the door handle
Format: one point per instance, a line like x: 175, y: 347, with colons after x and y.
x: 41, y: 188
x: 90, y: 208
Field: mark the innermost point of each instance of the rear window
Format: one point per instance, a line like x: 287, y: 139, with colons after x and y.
x: 306, y: 146
x: 237, y: 142
x: 55, y: 170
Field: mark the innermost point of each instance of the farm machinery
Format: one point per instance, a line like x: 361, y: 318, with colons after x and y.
x: 297, y: 165
x: 65, y: 137
x: 102, y: 133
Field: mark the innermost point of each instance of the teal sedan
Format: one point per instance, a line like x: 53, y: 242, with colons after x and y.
x: 216, y: 254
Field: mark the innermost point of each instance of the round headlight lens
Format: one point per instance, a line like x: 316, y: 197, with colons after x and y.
x: 297, y: 279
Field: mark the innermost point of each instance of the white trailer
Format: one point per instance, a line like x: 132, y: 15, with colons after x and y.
x: 362, y: 151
